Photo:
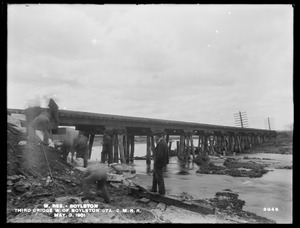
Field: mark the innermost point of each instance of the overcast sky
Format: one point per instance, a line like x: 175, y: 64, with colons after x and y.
x: 194, y: 63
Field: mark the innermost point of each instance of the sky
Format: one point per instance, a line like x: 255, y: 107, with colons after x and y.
x: 192, y: 63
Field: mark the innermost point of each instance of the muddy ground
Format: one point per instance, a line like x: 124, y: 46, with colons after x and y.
x: 38, y: 180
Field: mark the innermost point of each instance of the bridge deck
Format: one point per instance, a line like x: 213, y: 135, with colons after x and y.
x: 96, y: 123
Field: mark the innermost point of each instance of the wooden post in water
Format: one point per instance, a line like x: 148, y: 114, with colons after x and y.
x: 181, y: 150
x: 110, y: 153
x: 125, y: 145
x: 148, y: 154
x: 116, y: 145
x: 239, y: 143
x: 128, y: 148
x: 91, y: 141
x: 177, y: 148
x: 131, y: 148
x: 152, y: 145
x: 211, y: 144
x: 187, y: 153
x: 170, y: 146
x: 121, y: 148
x: 202, y: 137
x: 233, y: 145
x: 192, y: 146
x: 225, y: 143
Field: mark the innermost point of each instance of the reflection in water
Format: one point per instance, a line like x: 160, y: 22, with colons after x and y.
x: 184, y: 167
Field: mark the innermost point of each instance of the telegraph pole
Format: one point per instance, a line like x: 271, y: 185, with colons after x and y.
x: 269, y: 123
x: 240, y: 119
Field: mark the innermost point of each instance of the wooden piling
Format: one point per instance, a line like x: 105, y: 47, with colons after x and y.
x: 177, y: 148
x: 91, y: 141
x: 181, y: 148
x: 110, y: 153
x: 148, y: 152
x: 152, y: 145
x: 125, y: 145
x: 170, y: 146
x: 211, y: 144
x: 131, y: 148
x: 187, y: 153
x: 192, y: 147
x: 121, y: 148
x: 116, y: 152
x: 199, y: 141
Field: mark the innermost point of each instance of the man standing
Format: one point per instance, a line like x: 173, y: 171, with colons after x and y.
x: 161, y: 159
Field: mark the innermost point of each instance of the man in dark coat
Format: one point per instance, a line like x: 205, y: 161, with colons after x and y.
x: 161, y: 159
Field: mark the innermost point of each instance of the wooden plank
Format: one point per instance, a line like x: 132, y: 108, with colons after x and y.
x: 201, y: 208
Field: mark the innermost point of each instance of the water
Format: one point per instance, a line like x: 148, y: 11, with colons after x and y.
x: 273, y: 190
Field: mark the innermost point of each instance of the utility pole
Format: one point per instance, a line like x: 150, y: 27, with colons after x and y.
x: 269, y: 123
x: 240, y: 119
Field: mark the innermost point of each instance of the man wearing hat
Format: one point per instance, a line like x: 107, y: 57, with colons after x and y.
x: 161, y: 159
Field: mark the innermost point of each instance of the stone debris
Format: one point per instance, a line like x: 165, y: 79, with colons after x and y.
x: 152, y: 204
x: 161, y: 206
x: 144, y: 200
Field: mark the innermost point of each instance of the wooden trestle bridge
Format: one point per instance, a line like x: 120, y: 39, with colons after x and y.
x: 212, y: 139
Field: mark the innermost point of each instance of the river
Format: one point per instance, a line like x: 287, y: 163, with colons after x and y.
x: 272, y: 191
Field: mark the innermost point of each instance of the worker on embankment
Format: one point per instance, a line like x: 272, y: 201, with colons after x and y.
x: 73, y: 141
x: 95, y: 173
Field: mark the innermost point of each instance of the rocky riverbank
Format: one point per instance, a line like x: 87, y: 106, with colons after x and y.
x: 38, y: 180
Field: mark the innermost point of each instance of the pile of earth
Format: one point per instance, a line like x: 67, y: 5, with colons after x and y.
x: 228, y: 203
x: 38, y: 175
x: 231, y: 166
x: 35, y: 171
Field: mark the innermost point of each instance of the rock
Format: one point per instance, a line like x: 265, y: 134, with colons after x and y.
x: 22, y: 143
x: 116, y: 185
x: 161, y: 206
x: 20, y: 189
x: 144, y: 200
x: 10, y: 183
x: 22, y: 184
x: 114, y: 177
x: 129, y: 175
x: 14, y: 178
x: 121, y: 168
x: 127, y: 183
x: 152, y: 204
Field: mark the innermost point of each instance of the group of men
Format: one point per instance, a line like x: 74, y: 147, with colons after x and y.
x: 94, y: 172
